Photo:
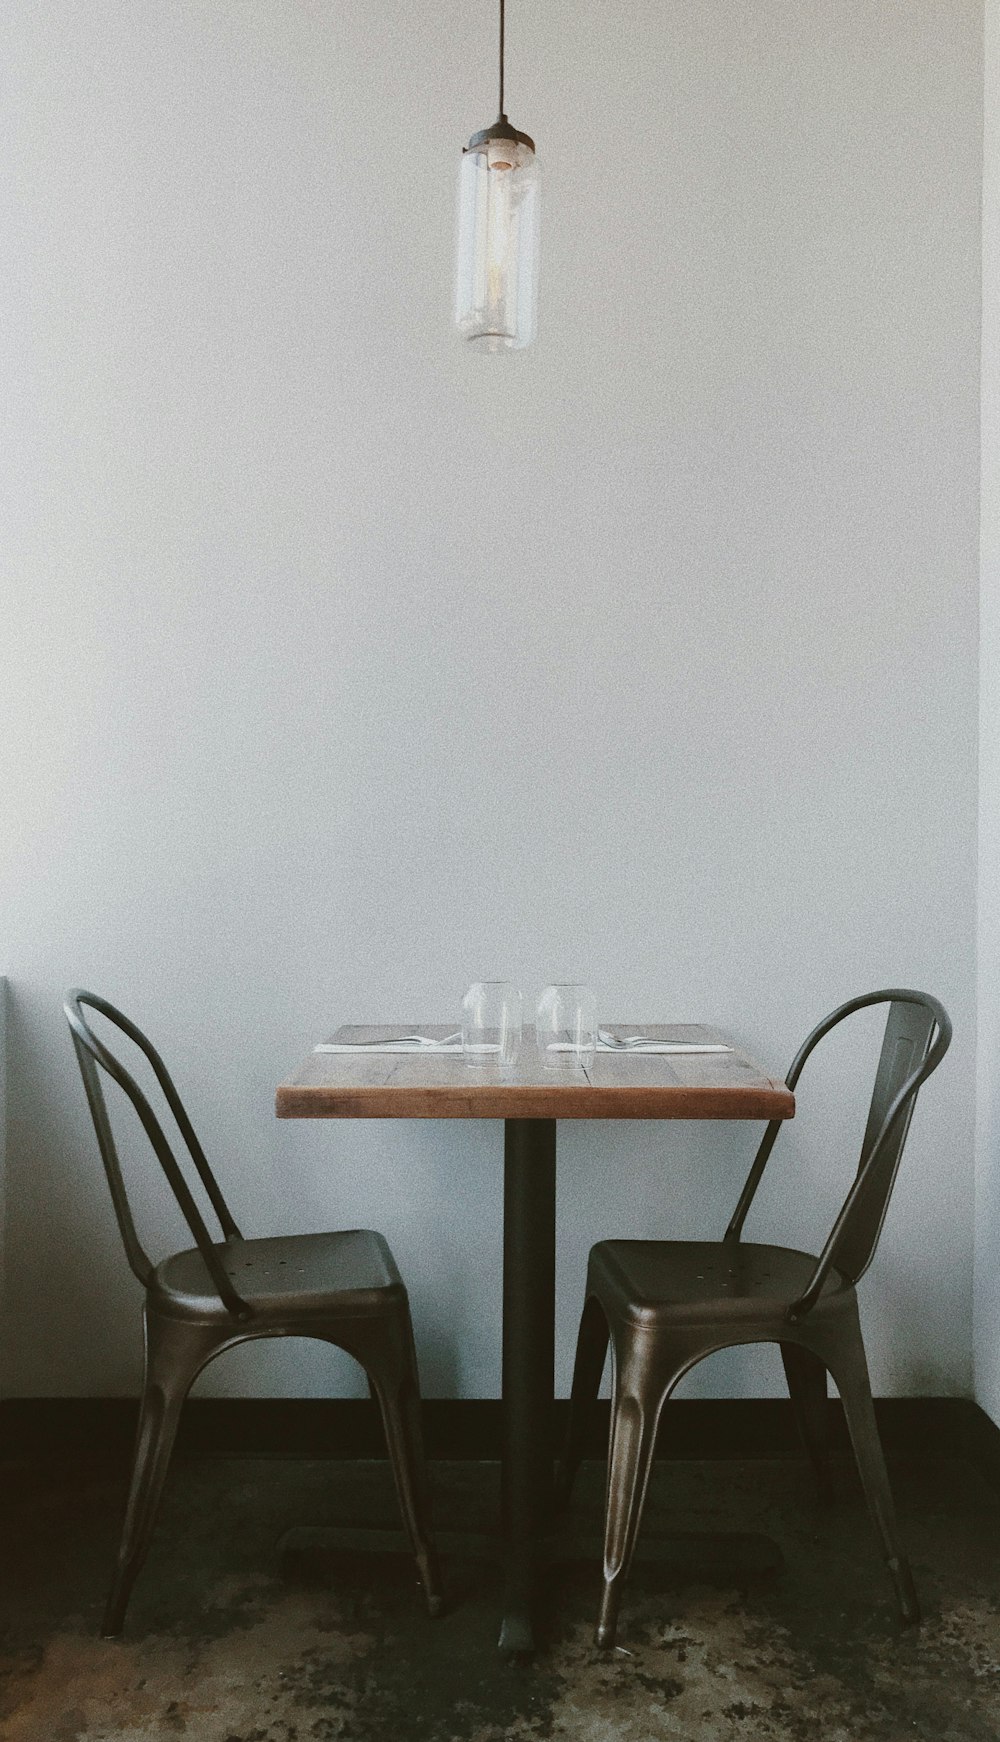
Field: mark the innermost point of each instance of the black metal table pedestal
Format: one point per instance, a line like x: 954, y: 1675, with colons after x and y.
x: 529, y: 1275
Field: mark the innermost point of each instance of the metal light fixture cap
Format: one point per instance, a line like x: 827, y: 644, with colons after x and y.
x: 501, y: 129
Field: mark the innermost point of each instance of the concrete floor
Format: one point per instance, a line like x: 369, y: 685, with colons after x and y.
x: 228, y: 1640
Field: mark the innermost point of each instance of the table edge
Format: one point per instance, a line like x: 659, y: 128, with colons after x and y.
x: 534, y: 1101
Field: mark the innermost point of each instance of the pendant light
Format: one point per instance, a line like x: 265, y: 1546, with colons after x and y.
x: 496, y: 289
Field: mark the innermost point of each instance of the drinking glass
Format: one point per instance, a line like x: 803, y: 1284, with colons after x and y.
x: 491, y: 1023
x: 566, y: 1027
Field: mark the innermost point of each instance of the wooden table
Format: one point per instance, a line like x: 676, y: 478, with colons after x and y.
x: 530, y: 1100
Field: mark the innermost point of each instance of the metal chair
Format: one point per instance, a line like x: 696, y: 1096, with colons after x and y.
x: 666, y: 1304
x: 341, y: 1288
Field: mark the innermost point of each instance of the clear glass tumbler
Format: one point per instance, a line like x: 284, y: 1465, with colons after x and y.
x: 566, y: 1027
x: 491, y: 1023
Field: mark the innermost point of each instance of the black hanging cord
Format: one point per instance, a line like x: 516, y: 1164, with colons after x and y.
x: 501, y: 57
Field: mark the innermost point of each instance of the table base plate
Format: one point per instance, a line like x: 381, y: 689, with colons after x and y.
x: 317, y: 1552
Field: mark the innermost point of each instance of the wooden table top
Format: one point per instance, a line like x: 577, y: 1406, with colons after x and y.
x: 723, y: 1085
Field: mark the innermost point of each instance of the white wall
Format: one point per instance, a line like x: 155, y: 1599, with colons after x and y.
x: 987, y: 1288
x: 3, y: 1135
x: 345, y: 668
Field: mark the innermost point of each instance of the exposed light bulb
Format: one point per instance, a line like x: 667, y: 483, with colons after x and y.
x: 496, y: 285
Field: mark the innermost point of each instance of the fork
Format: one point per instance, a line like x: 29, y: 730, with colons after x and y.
x: 606, y: 1038
x: 404, y: 1040
x: 636, y: 1043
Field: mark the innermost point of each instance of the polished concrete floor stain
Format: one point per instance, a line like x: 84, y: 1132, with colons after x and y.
x: 232, y: 1638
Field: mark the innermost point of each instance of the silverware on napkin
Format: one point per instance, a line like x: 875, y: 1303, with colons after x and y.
x: 647, y: 1043
x: 395, y: 1043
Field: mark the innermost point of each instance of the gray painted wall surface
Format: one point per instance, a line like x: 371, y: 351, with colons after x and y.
x: 987, y: 1271
x: 345, y: 668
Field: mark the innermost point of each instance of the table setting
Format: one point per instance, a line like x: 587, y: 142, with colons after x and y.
x: 492, y: 1033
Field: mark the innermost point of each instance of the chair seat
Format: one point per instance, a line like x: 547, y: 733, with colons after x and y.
x: 290, y: 1274
x: 697, y: 1281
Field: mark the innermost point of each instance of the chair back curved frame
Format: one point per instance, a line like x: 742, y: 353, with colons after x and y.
x: 91, y: 1052
x: 917, y: 1036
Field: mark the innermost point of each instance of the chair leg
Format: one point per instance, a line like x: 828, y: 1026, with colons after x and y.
x: 175, y: 1351
x: 806, y: 1376
x: 389, y: 1358
x: 851, y: 1377
x: 638, y: 1396
x: 591, y: 1354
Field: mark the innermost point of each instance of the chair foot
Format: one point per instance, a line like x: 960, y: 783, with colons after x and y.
x: 906, y: 1593
x: 430, y: 1584
x: 606, y: 1631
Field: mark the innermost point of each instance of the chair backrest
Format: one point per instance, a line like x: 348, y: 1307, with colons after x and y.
x: 917, y: 1036
x: 91, y: 1052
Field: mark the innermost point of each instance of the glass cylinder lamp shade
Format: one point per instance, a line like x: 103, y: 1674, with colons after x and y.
x: 496, y: 290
